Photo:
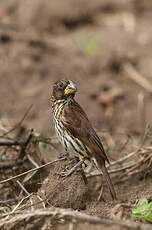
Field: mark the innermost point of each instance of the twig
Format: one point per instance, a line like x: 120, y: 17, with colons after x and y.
x: 141, y: 107
x: 123, y: 158
x: 31, y: 170
x: 21, y: 201
x: 19, y: 123
x: 71, y: 226
x: 30, y: 175
x: 42, y: 201
x: 137, y: 77
x: 10, y: 143
x: 141, y: 143
x: 6, y: 202
x: 119, y: 169
x: 137, y: 164
x: 69, y: 215
x: 22, y: 144
x: 25, y: 144
x: 32, y: 161
x: 120, y: 150
x: 12, y: 163
x: 23, y: 188
x: 48, y: 141
x: 27, y: 193
x: 101, y: 193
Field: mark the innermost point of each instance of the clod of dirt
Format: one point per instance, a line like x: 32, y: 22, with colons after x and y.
x: 65, y: 192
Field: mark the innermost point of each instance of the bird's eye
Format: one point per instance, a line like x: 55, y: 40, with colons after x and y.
x: 60, y: 85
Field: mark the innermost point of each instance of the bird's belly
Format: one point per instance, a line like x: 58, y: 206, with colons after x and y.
x: 72, y: 145
x: 75, y: 147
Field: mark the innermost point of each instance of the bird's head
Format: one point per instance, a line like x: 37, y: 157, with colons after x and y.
x: 63, y: 89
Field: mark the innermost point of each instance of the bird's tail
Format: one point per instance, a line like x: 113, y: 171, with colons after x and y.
x: 108, y: 180
x: 101, y: 166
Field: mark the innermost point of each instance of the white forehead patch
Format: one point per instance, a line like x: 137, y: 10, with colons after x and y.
x: 72, y: 85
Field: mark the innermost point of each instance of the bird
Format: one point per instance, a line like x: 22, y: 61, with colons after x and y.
x: 74, y: 130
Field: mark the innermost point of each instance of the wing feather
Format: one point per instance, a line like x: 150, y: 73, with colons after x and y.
x: 77, y: 123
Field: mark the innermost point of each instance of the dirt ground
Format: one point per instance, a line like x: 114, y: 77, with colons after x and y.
x: 105, y: 47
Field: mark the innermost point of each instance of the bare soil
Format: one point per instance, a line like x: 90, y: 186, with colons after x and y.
x: 92, y: 43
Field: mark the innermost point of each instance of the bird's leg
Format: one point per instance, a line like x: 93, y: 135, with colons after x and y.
x: 70, y: 171
x: 64, y: 155
x: 100, y: 197
x: 83, y: 175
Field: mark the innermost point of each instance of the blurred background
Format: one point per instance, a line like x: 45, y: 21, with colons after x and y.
x: 105, y: 46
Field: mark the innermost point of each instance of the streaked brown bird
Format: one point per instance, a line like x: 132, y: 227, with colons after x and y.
x: 74, y: 129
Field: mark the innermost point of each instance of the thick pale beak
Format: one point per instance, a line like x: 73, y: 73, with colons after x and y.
x: 70, y: 89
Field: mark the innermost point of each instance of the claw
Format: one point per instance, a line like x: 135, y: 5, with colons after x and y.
x: 66, y: 173
x: 70, y: 171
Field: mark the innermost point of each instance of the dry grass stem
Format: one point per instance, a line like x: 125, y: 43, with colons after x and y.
x: 133, y: 74
x: 57, y: 214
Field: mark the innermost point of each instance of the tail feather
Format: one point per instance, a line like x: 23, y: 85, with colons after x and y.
x: 109, y: 182
x: 101, y: 166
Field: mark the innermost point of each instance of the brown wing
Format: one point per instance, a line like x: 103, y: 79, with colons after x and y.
x: 77, y: 122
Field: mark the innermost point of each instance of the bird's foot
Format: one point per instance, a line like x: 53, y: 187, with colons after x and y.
x: 100, y: 196
x: 66, y: 155
x: 70, y: 171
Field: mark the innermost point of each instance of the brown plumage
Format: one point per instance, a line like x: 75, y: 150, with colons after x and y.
x: 74, y: 129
